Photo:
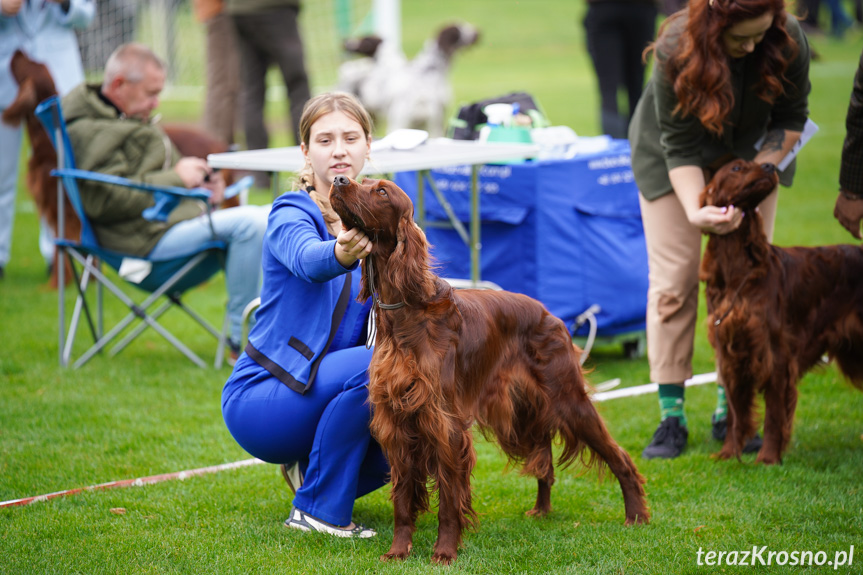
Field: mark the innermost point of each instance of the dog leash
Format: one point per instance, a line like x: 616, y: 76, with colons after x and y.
x: 371, y: 333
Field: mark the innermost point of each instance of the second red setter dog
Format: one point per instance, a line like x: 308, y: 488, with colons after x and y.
x: 774, y: 312
x: 445, y: 359
x: 35, y: 85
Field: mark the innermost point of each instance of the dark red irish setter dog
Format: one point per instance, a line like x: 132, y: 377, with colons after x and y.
x: 35, y: 84
x: 445, y: 359
x: 774, y: 312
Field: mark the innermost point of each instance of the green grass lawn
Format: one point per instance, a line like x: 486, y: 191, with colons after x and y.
x: 150, y: 411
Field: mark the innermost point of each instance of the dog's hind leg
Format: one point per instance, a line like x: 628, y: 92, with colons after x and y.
x: 581, y: 425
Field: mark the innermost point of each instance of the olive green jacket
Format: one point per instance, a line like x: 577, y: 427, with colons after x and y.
x: 105, y: 142
x: 662, y: 141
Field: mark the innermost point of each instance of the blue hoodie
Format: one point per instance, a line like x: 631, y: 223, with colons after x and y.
x: 302, y: 283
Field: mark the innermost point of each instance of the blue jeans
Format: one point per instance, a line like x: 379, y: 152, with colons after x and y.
x: 243, y: 229
x: 326, y: 430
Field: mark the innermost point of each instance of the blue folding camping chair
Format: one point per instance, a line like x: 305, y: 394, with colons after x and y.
x: 164, y: 280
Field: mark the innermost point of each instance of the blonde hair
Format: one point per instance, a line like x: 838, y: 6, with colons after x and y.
x: 320, y: 106
x: 128, y: 61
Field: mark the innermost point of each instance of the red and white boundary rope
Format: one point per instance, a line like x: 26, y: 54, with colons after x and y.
x: 602, y: 396
x: 132, y: 482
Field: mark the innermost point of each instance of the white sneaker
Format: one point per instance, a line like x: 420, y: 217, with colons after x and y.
x: 293, y: 476
x: 305, y: 522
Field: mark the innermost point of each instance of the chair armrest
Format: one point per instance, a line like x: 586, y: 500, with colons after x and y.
x: 243, y: 184
x: 166, y: 197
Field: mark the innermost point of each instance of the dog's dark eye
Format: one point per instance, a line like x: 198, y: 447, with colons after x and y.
x: 382, y: 192
x: 735, y: 168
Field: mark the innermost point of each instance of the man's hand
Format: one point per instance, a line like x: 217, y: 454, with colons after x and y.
x: 216, y: 185
x: 192, y: 171
x: 849, y: 212
x: 10, y: 7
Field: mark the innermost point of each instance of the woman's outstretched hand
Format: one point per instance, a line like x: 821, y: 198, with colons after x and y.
x: 352, y: 245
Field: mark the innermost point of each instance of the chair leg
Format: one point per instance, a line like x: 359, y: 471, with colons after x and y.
x: 61, y: 301
x: 138, y: 330
x: 81, y: 284
x: 223, y: 340
x: 92, y: 269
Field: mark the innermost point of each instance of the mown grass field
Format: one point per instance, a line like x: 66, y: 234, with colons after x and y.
x: 149, y: 411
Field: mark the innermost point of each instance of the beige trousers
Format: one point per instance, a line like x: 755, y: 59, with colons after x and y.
x: 673, y: 257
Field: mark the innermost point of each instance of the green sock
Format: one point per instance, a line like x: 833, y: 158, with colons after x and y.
x: 671, y: 402
x: 721, y: 411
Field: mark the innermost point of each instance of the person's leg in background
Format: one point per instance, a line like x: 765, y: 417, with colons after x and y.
x: 46, y: 244
x: 10, y: 143
x: 221, y: 107
x: 279, y: 35
x: 605, y: 45
x: 254, y: 63
x: 674, y: 254
x: 640, y: 30
x: 808, y: 11
x: 840, y: 21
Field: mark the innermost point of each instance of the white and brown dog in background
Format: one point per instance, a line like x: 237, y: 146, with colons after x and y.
x: 406, y: 93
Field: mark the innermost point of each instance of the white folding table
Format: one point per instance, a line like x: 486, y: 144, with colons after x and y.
x: 433, y: 154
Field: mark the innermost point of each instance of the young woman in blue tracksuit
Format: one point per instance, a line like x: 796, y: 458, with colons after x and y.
x: 298, y: 395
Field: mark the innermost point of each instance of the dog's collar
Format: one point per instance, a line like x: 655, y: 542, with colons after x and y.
x: 370, y: 272
x: 372, y: 330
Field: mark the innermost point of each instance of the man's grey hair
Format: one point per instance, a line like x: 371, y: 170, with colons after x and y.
x: 129, y: 61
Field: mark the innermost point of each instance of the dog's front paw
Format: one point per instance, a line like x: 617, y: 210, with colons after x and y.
x: 768, y: 458
x: 637, y: 520
x: 444, y: 557
x: 727, y: 452
x: 537, y: 512
x: 399, y: 552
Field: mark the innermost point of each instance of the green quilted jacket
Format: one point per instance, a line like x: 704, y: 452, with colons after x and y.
x: 107, y: 143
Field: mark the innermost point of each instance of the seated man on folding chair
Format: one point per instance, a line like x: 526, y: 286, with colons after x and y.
x: 111, y: 132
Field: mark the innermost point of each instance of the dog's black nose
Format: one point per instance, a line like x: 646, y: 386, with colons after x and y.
x: 340, y: 181
x: 769, y: 168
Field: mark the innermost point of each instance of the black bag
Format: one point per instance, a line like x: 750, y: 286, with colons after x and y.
x: 470, y: 119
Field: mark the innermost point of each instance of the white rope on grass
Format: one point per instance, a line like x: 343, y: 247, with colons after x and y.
x: 140, y: 481
x: 132, y: 482
x: 700, y: 379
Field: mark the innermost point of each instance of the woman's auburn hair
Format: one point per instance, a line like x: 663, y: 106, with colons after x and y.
x: 320, y: 106
x: 699, y: 68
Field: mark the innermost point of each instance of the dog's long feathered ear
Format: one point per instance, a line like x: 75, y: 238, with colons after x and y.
x: 365, y: 289
x: 25, y: 101
x: 408, y: 266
